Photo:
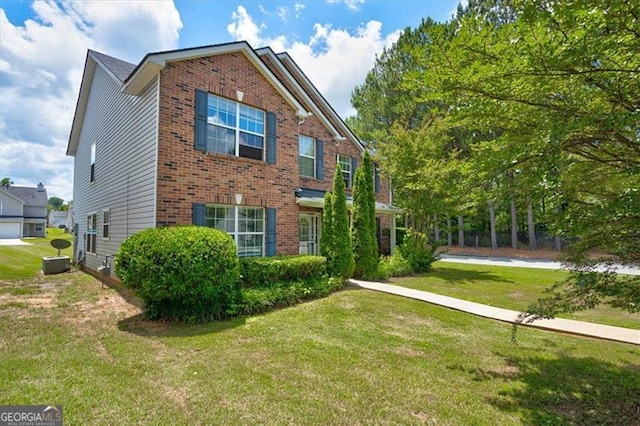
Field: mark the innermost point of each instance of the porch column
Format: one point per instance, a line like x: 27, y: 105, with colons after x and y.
x: 392, y: 234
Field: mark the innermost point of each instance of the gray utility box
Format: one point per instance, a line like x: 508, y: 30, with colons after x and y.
x: 55, y: 264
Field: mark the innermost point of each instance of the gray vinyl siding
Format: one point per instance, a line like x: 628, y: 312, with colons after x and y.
x: 10, y: 206
x: 124, y: 128
x: 36, y: 212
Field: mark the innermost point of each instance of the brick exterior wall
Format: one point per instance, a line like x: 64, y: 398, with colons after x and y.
x: 187, y: 175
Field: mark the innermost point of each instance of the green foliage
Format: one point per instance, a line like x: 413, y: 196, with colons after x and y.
x: 188, y: 274
x: 55, y: 203
x: 6, y: 181
x: 363, y: 224
x: 418, y: 251
x: 394, y: 266
x: 270, y: 271
x: 327, y: 242
x: 342, y: 263
x: 282, y: 294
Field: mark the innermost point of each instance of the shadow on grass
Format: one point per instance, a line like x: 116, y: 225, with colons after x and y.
x: 566, y: 390
x: 137, y: 324
x: 451, y: 274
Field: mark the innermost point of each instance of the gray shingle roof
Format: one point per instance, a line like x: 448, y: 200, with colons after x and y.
x: 31, y: 196
x: 118, y: 67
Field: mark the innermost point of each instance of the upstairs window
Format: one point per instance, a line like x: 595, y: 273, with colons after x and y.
x: 307, y: 156
x: 93, y: 162
x: 234, y: 128
x: 345, y: 164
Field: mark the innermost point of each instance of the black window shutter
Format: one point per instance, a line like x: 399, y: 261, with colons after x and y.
x: 201, y: 121
x: 354, y: 165
x: 376, y: 178
x: 271, y: 231
x: 271, y: 137
x: 319, y: 159
x: 197, y: 214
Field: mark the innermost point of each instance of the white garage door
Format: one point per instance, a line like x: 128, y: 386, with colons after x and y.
x: 10, y: 230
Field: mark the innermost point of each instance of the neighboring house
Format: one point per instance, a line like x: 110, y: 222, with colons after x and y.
x: 23, y: 211
x: 59, y: 219
x: 223, y: 136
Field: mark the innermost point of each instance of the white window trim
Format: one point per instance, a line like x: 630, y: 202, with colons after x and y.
x: 315, y: 154
x: 95, y: 232
x: 236, y: 221
x: 237, y: 126
x: 108, y: 224
x: 348, y: 185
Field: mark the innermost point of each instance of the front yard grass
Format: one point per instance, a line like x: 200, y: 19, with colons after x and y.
x: 355, y: 357
x: 19, y: 262
x: 506, y: 287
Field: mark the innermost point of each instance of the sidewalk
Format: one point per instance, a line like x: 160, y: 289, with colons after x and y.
x: 578, y: 328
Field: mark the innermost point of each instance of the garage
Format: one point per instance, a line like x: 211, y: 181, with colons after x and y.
x: 10, y: 230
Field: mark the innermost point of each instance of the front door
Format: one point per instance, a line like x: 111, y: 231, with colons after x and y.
x: 308, y: 230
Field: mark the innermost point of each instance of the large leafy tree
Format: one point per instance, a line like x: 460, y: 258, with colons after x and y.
x: 560, y: 83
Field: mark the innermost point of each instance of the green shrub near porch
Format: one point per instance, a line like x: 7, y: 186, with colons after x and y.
x: 268, y: 271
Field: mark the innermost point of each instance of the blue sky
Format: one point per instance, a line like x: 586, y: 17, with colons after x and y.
x: 43, y: 46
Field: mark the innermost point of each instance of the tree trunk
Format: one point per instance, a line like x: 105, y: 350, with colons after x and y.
x: 449, y: 235
x: 514, y: 225
x: 460, y: 231
x: 558, y: 241
x: 436, y: 227
x: 533, y: 246
x: 492, y: 224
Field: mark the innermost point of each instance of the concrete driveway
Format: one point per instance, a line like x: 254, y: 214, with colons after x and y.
x: 13, y: 242
x: 525, y: 263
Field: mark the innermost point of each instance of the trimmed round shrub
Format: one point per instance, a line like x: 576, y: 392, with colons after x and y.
x: 186, y: 274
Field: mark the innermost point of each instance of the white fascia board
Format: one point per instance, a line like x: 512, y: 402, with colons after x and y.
x: 317, y: 111
x: 81, y: 105
x: 285, y: 57
x: 317, y: 202
x: 12, y: 196
x: 153, y: 63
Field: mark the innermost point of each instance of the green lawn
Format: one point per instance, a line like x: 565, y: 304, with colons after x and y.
x: 506, y: 287
x: 19, y: 262
x: 356, y: 357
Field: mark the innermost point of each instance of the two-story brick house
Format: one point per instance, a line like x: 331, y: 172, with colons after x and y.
x: 223, y: 136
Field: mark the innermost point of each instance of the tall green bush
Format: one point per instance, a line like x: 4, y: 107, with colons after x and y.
x: 187, y: 274
x: 327, y: 243
x: 418, y: 250
x: 342, y: 262
x: 363, y: 223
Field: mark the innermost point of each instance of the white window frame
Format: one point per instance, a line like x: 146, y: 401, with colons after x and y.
x: 300, y: 154
x: 236, y: 128
x: 92, y: 167
x: 347, y: 181
x: 106, y: 223
x: 235, y: 233
x: 91, y: 236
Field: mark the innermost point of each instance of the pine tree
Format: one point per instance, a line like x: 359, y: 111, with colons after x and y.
x: 363, y: 223
x: 343, y: 259
x: 327, y: 244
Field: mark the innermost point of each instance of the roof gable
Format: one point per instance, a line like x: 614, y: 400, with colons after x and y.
x: 134, y: 78
x: 29, y: 196
x: 303, y: 81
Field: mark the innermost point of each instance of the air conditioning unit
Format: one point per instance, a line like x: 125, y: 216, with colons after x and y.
x: 55, y: 264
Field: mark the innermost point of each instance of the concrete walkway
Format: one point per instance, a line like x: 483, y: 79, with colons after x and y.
x: 13, y: 242
x: 579, y: 328
x: 525, y: 263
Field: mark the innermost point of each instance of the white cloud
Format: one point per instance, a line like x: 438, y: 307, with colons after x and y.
x: 41, y: 67
x: 298, y: 8
x: 351, y: 4
x: 335, y: 60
